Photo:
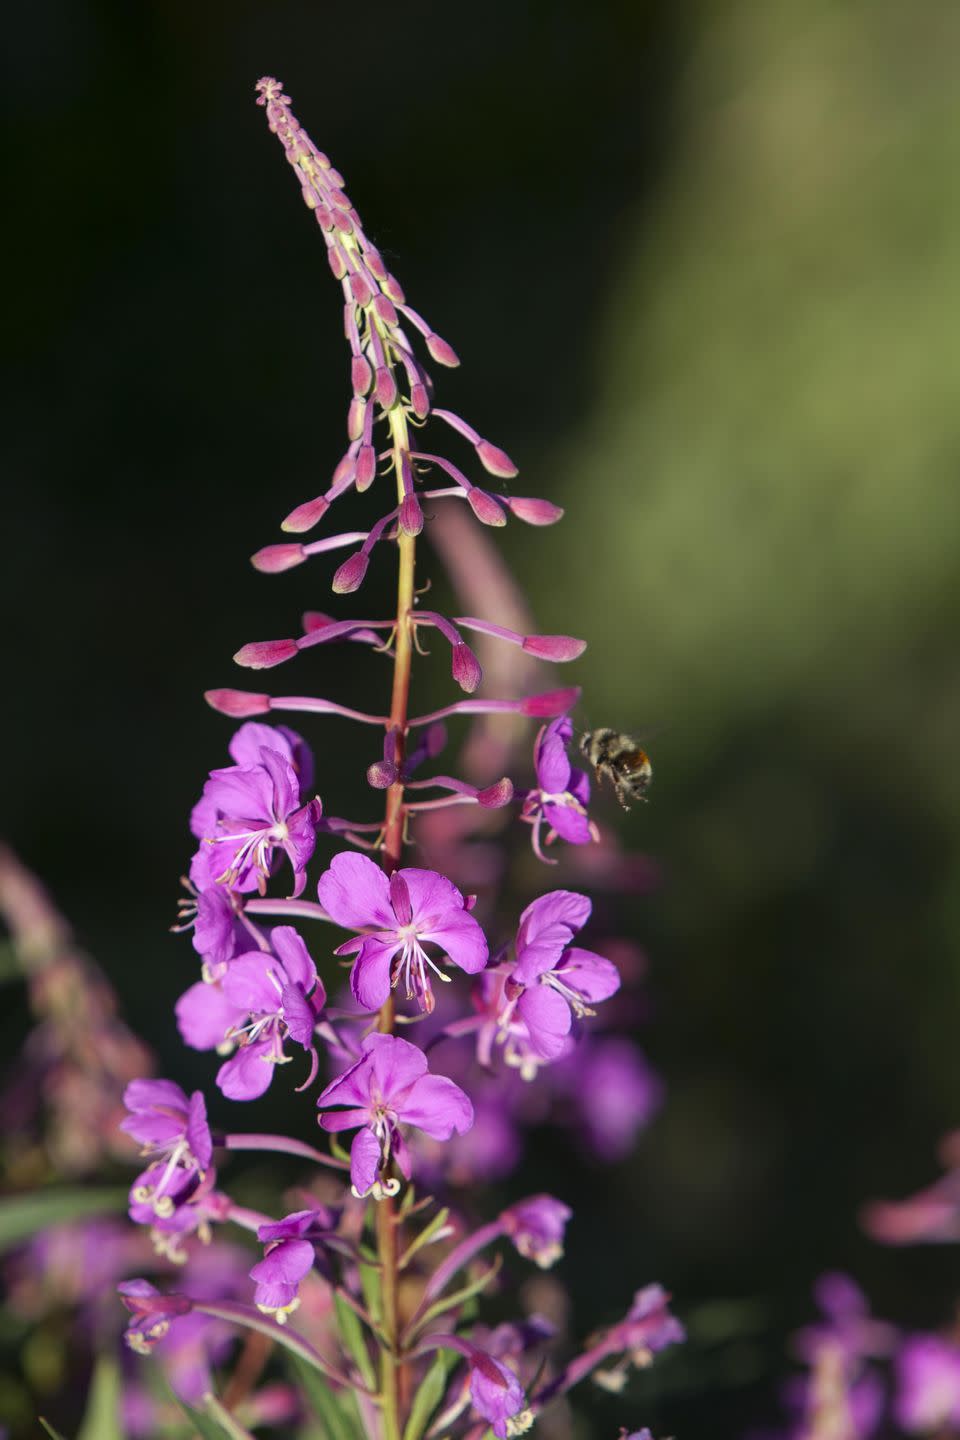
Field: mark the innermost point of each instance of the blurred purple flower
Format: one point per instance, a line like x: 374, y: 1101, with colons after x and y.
x: 928, y: 1385
x: 562, y: 791
x: 536, y: 1226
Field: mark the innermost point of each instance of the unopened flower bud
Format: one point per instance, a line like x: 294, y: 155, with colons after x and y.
x: 239, y: 704
x: 411, y: 516
x: 366, y: 467
x: 360, y: 288
x: 419, y: 400
x: 337, y: 261
x: 551, y: 702
x: 350, y: 575
x: 393, y: 288
x: 360, y: 375
x: 440, y: 351
x: 264, y: 654
x: 274, y: 558
x: 305, y: 516
x: 466, y: 667
x: 495, y: 461
x: 384, y: 307
x: 494, y: 797
x: 355, y: 414
x: 486, y: 509
x: 534, y: 512
x: 385, y: 388
x: 381, y: 775
x: 554, y: 647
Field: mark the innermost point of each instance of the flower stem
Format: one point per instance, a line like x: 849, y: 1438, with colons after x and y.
x: 392, y: 1375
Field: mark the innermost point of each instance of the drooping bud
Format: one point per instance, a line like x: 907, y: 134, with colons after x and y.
x: 355, y: 416
x: 349, y: 576
x: 305, y: 516
x: 494, y: 797
x: 495, y: 461
x: 534, y: 512
x: 360, y: 375
x: 385, y: 309
x: 264, y: 654
x: 411, y: 516
x: 550, y: 702
x: 366, y: 467
x: 486, y: 509
x: 554, y: 647
x: 272, y: 559
x: 440, y: 351
x: 466, y: 667
x: 419, y: 400
x: 385, y: 389
x: 239, y: 704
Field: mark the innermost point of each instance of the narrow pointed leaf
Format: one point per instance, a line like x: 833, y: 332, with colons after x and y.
x: 101, y: 1420
x: 337, y: 1424
x: 429, y: 1395
x: 459, y: 1297
x: 427, y: 1234
x: 351, y: 1333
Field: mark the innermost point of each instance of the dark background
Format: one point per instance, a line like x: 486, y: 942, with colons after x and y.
x: 700, y: 262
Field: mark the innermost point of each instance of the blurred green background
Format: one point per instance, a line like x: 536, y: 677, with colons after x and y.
x: 702, y: 265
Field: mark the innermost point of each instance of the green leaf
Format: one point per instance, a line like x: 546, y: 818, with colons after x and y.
x: 427, y: 1234
x: 429, y: 1395
x: 458, y: 1297
x: 204, y: 1425
x: 351, y: 1333
x: 54, y: 1434
x: 23, y: 1215
x: 101, y: 1420
x: 370, y: 1285
x: 337, y: 1424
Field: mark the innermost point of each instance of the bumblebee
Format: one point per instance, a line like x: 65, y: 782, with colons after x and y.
x: 621, y: 760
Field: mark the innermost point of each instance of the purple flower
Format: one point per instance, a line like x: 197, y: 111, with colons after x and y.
x: 173, y: 1129
x: 401, y: 914
x: 262, y: 1000
x: 848, y: 1324
x: 152, y: 1313
x: 387, y: 1086
x: 530, y: 1008
x: 288, y: 1257
x: 497, y: 1396
x: 562, y: 791
x: 928, y: 1384
x: 613, y: 1091
x: 536, y: 1226
x: 253, y: 808
x: 647, y: 1328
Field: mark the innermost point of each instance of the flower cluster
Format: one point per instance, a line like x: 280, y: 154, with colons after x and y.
x: 438, y: 990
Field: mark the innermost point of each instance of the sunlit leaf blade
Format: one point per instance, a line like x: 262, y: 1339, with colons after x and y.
x: 429, y: 1395
x: 337, y: 1425
x: 101, y: 1420
x: 24, y: 1215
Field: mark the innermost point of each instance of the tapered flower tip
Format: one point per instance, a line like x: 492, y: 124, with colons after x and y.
x: 366, y: 467
x: 535, y: 512
x: 554, y: 647
x: 443, y: 353
x: 274, y: 558
x: 264, y: 654
x: 466, y: 667
x: 239, y: 704
x: 496, y: 796
x: 381, y: 775
x: 486, y: 509
x: 420, y: 401
x: 360, y: 375
x: 306, y: 516
x: 495, y: 461
x: 551, y: 702
x: 350, y: 575
x: 385, y: 388
x: 411, y: 516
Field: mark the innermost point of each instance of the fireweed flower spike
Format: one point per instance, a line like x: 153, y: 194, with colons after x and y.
x: 389, y: 1085
x: 339, y: 1272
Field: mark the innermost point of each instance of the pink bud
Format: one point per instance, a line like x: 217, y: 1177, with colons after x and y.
x: 355, y: 416
x: 466, y: 667
x: 411, y: 516
x: 385, y: 388
x: 366, y: 467
x: 337, y: 261
x: 344, y: 469
x: 443, y: 353
x: 486, y: 509
x: 374, y: 263
x: 550, y: 703
x: 315, y: 620
x: 343, y: 222
x: 554, y: 647
x: 325, y: 221
x: 237, y: 703
x: 309, y: 197
x: 535, y: 512
x: 360, y: 376
x: 350, y: 575
x: 338, y: 198
x: 384, y: 307
x: 264, y: 654
x: 360, y: 289
x: 496, y: 796
x: 495, y: 461
x: 392, y: 287
x: 306, y: 515
x: 274, y: 558
x: 381, y: 775
x: 420, y: 400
